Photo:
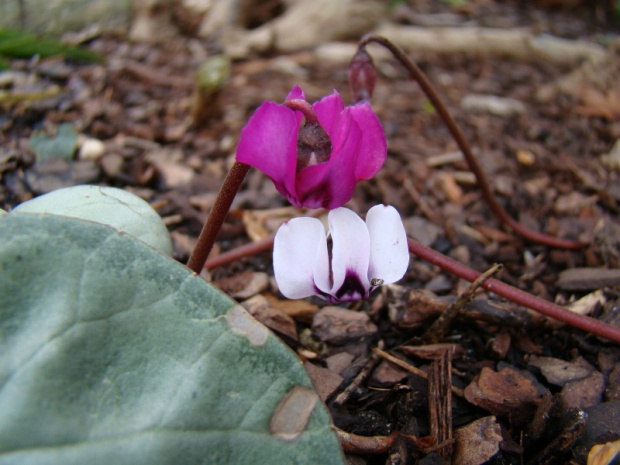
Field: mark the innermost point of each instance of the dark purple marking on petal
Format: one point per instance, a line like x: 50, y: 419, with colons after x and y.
x: 352, y: 288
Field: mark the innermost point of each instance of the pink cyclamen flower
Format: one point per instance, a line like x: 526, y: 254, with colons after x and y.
x: 317, y: 162
x: 363, y: 255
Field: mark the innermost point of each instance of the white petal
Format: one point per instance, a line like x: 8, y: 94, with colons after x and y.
x: 350, y: 250
x: 300, y: 257
x: 389, y: 253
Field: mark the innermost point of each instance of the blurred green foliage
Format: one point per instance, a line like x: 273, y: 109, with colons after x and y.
x: 21, y: 44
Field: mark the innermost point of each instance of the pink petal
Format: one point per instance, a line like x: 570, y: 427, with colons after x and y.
x: 328, y: 111
x: 350, y: 255
x: 373, y: 147
x: 300, y: 260
x: 296, y: 93
x: 269, y: 143
x: 389, y: 253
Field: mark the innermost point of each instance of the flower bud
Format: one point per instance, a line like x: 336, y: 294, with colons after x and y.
x: 313, y: 146
x: 362, y: 76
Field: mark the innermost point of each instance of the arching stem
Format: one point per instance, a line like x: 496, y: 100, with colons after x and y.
x: 418, y: 75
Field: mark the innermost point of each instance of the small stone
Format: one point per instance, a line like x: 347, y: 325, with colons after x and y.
x: 339, y: 362
x: 175, y: 175
x: 438, y: 284
x: 422, y: 230
x: 339, y: 325
x: 112, y: 164
x: 603, y: 425
x: 91, y: 149
x: 560, y: 372
x: 525, y: 157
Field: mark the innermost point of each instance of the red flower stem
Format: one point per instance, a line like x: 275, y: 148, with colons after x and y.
x: 216, y: 217
x: 418, y: 75
x: 251, y: 248
x: 245, y: 250
x: 304, y: 107
x: 513, y: 294
x: 518, y: 296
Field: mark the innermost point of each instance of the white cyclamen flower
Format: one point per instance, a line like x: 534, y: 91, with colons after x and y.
x: 363, y: 255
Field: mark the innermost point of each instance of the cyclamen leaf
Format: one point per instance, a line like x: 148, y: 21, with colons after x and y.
x: 108, y: 205
x: 111, y: 352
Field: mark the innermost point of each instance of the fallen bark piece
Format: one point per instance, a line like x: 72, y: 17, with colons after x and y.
x: 302, y: 25
x: 560, y: 372
x: 244, y: 285
x: 588, y: 303
x: 324, y: 380
x: 506, y: 392
x: 584, y: 279
x: 477, y: 442
x: 518, y: 43
x: 432, y: 351
x: 613, y: 385
x: 298, y: 309
x: 386, y: 375
x: 339, y: 325
x: 500, y: 344
x: 440, y: 403
x: 585, y: 393
x: 410, y: 308
x: 276, y: 320
x: 499, y: 106
x: 604, y: 454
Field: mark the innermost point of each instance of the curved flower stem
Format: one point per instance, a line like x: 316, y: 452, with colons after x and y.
x: 304, y: 107
x: 518, y: 296
x: 511, y: 293
x: 216, y: 217
x: 418, y: 75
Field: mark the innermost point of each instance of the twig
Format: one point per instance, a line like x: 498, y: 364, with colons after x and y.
x: 365, y: 445
x: 357, y: 381
x: 410, y: 368
x: 216, y: 218
x: 439, y: 329
x: 418, y: 75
